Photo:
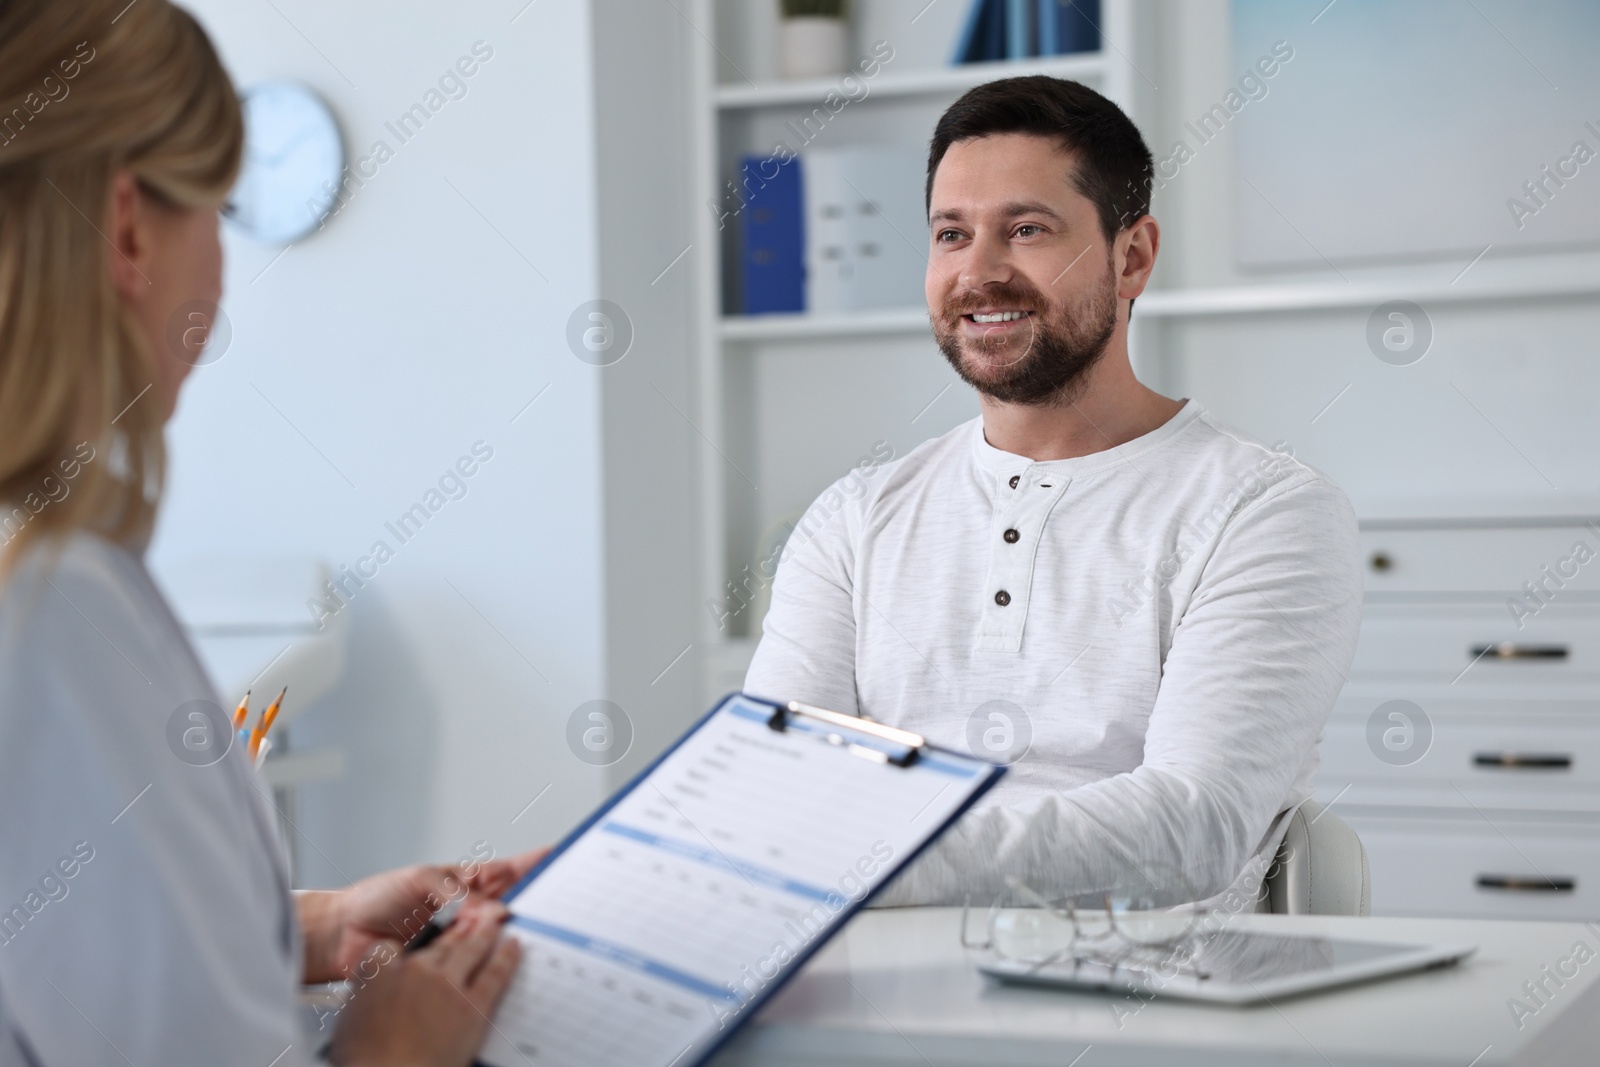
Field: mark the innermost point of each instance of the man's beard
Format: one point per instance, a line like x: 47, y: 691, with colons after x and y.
x: 1055, y: 357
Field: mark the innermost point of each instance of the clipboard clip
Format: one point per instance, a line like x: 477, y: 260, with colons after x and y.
x: 911, y: 744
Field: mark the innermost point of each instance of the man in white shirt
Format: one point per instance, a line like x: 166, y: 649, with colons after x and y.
x: 1149, y: 614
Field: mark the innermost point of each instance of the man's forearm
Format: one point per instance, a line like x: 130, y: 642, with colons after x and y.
x: 973, y: 860
x: 1148, y: 838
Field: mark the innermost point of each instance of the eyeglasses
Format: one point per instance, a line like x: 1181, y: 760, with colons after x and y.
x: 1120, y: 927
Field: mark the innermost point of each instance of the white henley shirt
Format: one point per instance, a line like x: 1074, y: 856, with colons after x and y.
x: 1154, y: 634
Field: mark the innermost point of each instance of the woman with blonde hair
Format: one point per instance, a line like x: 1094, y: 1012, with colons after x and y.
x: 145, y: 912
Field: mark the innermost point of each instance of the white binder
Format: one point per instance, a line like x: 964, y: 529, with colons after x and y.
x: 866, y: 233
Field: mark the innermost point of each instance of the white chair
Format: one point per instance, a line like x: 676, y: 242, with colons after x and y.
x: 1321, y: 867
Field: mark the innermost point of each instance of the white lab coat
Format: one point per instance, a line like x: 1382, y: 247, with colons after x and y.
x: 174, y: 939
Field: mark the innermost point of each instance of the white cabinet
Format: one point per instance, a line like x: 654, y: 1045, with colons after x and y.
x: 1476, y: 645
x: 1473, y: 867
x: 1513, y: 753
x: 1495, y: 560
x: 1466, y: 748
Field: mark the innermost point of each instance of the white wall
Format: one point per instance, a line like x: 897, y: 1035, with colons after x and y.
x: 392, y: 341
x: 1495, y: 416
x: 650, y: 426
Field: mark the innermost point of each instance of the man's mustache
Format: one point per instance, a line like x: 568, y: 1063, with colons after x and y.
x: 1015, y: 296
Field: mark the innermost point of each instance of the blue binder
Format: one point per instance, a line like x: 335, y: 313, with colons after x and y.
x: 1049, y: 17
x: 772, y: 255
x: 1020, y: 41
x: 984, y: 37
x: 1068, y: 26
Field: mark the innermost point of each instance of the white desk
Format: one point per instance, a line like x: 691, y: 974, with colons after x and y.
x: 896, y: 988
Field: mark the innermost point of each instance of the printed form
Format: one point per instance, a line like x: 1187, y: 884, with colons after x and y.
x: 652, y: 933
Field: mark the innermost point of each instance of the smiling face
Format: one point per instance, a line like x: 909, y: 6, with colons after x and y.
x: 1021, y: 284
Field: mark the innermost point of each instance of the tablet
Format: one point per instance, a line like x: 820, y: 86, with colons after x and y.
x: 660, y: 925
x: 1240, y: 967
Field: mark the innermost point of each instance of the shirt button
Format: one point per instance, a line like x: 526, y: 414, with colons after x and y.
x: 1011, y: 537
x: 1002, y: 598
x: 1015, y: 478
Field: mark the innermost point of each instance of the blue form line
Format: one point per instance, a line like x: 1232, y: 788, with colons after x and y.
x: 626, y: 957
x: 943, y: 766
x: 770, y: 879
x: 745, y: 711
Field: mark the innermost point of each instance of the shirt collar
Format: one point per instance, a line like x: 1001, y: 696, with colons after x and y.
x: 1001, y: 462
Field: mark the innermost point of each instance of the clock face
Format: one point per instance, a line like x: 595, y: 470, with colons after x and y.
x: 293, y: 162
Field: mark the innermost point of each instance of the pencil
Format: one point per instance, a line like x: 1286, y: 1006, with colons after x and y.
x: 271, y: 714
x: 265, y: 724
x: 242, y: 712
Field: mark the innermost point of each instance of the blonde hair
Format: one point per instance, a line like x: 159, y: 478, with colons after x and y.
x: 90, y: 89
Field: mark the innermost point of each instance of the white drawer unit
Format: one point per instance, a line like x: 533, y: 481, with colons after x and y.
x: 1485, y: 869
x: 1491, y: 560
x: 1466, y: 748
x: 1478, y: 644
x: 1504, y: 744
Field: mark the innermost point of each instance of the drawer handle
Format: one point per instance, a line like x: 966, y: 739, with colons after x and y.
x: 1526, y: 883
x: 1508, y: 650
x: 1524, y: 761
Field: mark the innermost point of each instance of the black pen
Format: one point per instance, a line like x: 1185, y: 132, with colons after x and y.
x: 437, y: 925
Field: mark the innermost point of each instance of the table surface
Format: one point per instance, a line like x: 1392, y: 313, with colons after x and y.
x: 896, y: 987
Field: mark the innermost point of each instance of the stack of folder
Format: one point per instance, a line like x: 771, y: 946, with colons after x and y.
x: 837, y: 229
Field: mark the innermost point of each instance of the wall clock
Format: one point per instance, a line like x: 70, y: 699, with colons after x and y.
x: 293, y: 163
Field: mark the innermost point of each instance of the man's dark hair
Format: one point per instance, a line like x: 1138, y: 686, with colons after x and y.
x: 1115, y: 170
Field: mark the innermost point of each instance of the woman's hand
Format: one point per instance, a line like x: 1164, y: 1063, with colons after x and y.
x: 428, y: 1008
x: 342, y: 926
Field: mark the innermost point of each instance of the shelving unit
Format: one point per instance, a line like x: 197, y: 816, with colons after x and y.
x: 1171, y: 304
x: 794, y: 327
x: 749, y: 367
x: 947, y: 81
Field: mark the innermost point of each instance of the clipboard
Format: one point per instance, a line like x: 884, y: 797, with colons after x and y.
x: 659, y: 926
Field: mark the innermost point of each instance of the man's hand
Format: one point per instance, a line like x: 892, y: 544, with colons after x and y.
x: 341, y: 926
